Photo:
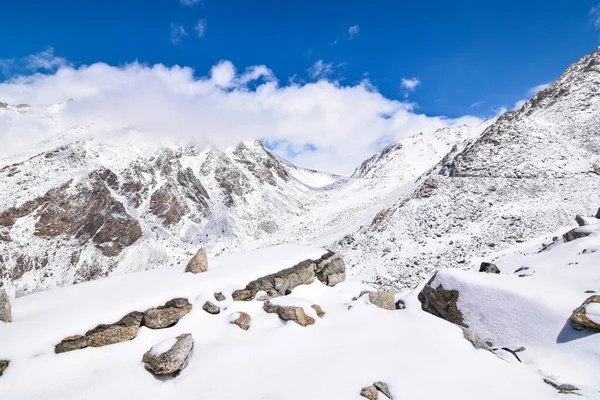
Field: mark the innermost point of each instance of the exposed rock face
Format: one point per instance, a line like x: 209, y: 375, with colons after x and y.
x: 3, y: 366
x: 5, y: 309
x: 573, y: 234
x: 198, y: 263
x: 219, y: 296
x: 369, y: 392
x: 243, y: 320
x: 289, y: 313
x: 211, y: 308
x: 441, y: 303
x: 383, y: 388
x: 121, y: 331
x: 279, y: 284
x: 167, y: 315
x: 319, y: 310
x: 580, y: 318
x: 489, y: 268
x: 172, y: 361
x: 330, y: 269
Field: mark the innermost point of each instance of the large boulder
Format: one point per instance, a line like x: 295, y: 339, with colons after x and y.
x: 121, y: 331
x: 587, y: 315
x: 5, y: 309
x: 167, y: 315
x: 442, y: 303
x: 3, y: 366
x: 198, y: 263
x: 330, y: 269
x: 289, y: 313
x: 241, y: 319
x: 170, y: 356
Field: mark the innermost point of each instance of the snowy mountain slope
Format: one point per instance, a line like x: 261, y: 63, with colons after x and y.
x: 529, y: 173
x: 354, y: 344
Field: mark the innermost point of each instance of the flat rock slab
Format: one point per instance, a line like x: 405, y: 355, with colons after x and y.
x: 167, y: 315
x: 172, y: 361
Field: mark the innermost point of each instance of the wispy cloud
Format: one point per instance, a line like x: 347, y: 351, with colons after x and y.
x: 189, y: 3
x: 177, y: 33
x: 353, y: 32
x: 43, y: 60
x: 200, y: 28
x: 537, y: 88
x: 595, y: 14
x: 409, y: 85
x: 320, y: 69
x: 477, y: 104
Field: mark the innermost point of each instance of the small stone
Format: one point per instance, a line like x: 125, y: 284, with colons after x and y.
x: 370, y: 392
x: 243, y: 320
x: 219, y: 296
x: 289, y: 313
x: 383, y: 388
x: 198, y: 263
x: 167, y: 315
x: 211, y: 308
x: 172, y: 361
x: 3, y: 366
x: 5, y: 309
x: 319, y: 310
x: 489, y: 268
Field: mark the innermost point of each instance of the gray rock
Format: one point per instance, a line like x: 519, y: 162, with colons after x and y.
x: 475, y: 340
x: 211, y: 308
x: 289, y: 313
x: 71, y: 343
x: 565, y: 388
x: 383, y: 388
x: 5, y: 309
x: 400, y: 305
x: 330, y: 269
x: 442, y: 303
x: 579, y: 317
x: 198, y: 263
x: 370, y: 392
x: 243, y: 321
x: 3, y: 366
x: 172, y: 361
x: 167, y: 315
x: 489, y: 268
x: 121, y: 331
x: 574, y: 235
x: 219, y: 296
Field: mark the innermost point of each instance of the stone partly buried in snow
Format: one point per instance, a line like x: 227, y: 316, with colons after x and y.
x: 489, y: 268
x: 385, y: 300
x: 371, y: 392
x: 580, y: 318
x: 574, y: 234
x: 121, y: 331
x: 329, y: 269
x: 173, y: 360
x: 211, y: 308
x: 167, y: 315
x: 5, y: 309
x: 441, y: 302
x: 289, y: 313
x: 198, y: 263
x: 242, y: 320
x: 3, y: 366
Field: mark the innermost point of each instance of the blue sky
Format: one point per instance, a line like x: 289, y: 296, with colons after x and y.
x: 330, y: 82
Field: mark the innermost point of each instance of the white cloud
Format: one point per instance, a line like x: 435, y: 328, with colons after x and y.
x: 200, y: 28
x: 409, y: 85
x: 177, y: 33
x: 340, y: 125
x: 353, y: 31
x: 320, y: 69
x: 43, y: 60
x: 190, y: 3
x: 477, y: 104
x: 538, y: 88
x: 595, y: 14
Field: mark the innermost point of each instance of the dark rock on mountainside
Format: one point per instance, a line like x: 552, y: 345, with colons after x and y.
x: 172, y: 361
x: 441, y: 302
x: 167, y: 315
x: 489, y: 268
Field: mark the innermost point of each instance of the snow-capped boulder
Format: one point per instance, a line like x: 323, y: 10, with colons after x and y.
x: 170, y: 356
x: 441, y: 302
x: 167, y: 315
x: 198, y: 263
x: 489, y: 268
x: 330, y: 269
x: 211, y: 308
x: 3, y: 365
x: 5, y: 308
x: 289, y: 313
x: 241, y: 319
x: 587, y: 315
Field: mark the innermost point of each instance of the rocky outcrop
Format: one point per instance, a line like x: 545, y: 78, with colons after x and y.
x: 581, y: 317
x: 167, y: 315
x: 169, y: 361
x: 198, y: 263
x: 5, y: 309
x: 289, y: 313
x: 330, y: 269
x: 71, y: 343
x: 441, y: 302
x: 3, y: 365
x: 211, y: 308
x: 489, y: 268
x: 242, y: 320
x: 574, y: 234
x: 121, y: 331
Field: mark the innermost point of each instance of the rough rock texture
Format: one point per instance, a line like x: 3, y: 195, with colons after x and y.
x: 441, y: 303
x: 172, y: 361
x: 289, y: 313
x: 5, y: 309
x: 278, y: 284
x: 475, y: 340
x: 385, y: 300
x: 383, y: 388
x: 370, y: 392
x: 211, y: 308
x: 579, y: 317
x: 330, y: 269
x: 243, y: 320
x: 71, y: 343
x: 3, y: 366
x: 167, y: 315
x: 121, y: 331
x: 198, y: 263
x: 219, y: 296
x: 489, y: 268
x: 319, y: 310
x: 573, y: 234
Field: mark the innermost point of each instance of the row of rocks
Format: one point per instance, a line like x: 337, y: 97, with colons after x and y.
x: 372, y: 392
x: 127, y: 327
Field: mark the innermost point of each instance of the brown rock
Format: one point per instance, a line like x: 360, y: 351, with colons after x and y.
x: 319, y: 310
x: 289, y: 313
x: 167, y: 315
x: 71, y: 343
x: 385, y: 300
x: 369, y: 392
x: 3, y: 366
x: 121, y: 331
x: 243, y: 321
x: 5, y: 309
x: 580, y: 318
x: 198, y: 263
x: 172, y: 361
x: 442, y: 303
